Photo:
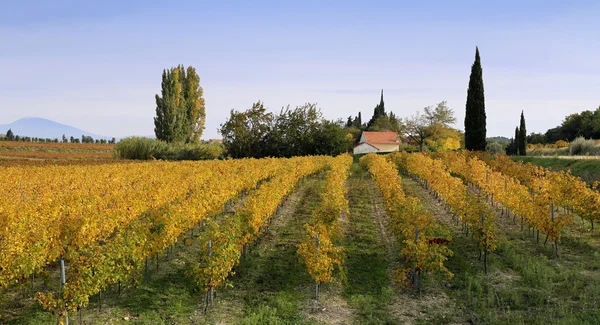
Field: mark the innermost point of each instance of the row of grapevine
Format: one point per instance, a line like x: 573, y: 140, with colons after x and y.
x: 44, y: 210
x: 421, y: 238
x: 463, y: 205
x: 561, y: 187
x: 536, y: 211
x: 318, y: 250
x: 226, y: 240
x: 113, y: 259
x: 65, y: 207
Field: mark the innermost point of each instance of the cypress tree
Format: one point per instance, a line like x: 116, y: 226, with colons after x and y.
x: 378, y: 111
x: 522, y: 137
x: 475, y: 119
x: 381, y: 105
x: 515, y: 150
x: 509, y: 147
x: 350, y: 122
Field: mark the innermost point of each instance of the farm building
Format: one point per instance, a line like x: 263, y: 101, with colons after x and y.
x: 386, y: 141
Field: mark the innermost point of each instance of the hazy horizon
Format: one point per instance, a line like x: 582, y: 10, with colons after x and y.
x: 97, y: 66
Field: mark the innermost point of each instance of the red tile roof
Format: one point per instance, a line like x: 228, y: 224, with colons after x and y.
x: 386, y: 137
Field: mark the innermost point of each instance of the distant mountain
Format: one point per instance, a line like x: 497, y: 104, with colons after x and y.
x: 44, y: 128
x: 499, y: 139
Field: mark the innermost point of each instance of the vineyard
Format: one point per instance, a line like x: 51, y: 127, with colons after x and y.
x: 18, y: 153
x: 440, y: 238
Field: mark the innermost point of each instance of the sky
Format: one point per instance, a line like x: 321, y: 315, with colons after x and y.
x: 97, y: 65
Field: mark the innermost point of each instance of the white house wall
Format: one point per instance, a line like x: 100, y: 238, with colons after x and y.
x: 364, y: 148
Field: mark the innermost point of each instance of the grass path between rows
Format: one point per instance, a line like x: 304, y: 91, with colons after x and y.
x: 526, y: 283
x: 373, y: 256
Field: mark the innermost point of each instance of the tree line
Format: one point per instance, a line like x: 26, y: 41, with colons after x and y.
x: 10, y: 136
x: 585, y: 124
x: 180, y: 115
x: 300, y: 131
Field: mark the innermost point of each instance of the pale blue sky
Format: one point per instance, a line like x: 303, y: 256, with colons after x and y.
x: 97, y: 66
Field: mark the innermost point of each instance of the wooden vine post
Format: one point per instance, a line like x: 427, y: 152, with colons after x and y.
x: 317, y: 261
x: 210, y: 288
x: 209, y: 292
x: 414, y: 270
x: 554, y: 242
x: 485, y: 244
x: 63, y: 281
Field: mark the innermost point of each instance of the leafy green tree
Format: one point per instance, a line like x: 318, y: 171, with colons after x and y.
x: 440, y: 114
x: 522, y: 137
x: 293, y: 132
x: 416, y: 128
x: 554, y: 134
x: 433, y: 124
x: 329, y: 139
x: 244, y: 133
x: 536, y: 138
x: 10, y: 136
x: 475, y: 118
x: 180, y: 111
x: 353, y: 136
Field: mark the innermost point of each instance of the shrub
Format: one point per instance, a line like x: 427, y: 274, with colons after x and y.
x: 145, y: 149
x: 561, y: 144
x: 581, y: 146
x: 495, y: 147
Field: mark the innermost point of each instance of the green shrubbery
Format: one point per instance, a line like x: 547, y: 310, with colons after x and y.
x: 580, y: 147
x: 495, y: 147
x: 147, y: 149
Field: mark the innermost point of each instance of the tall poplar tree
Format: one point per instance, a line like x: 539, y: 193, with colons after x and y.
x: 522, y: 137
x: 180, y: 112
x: 475, y: 119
